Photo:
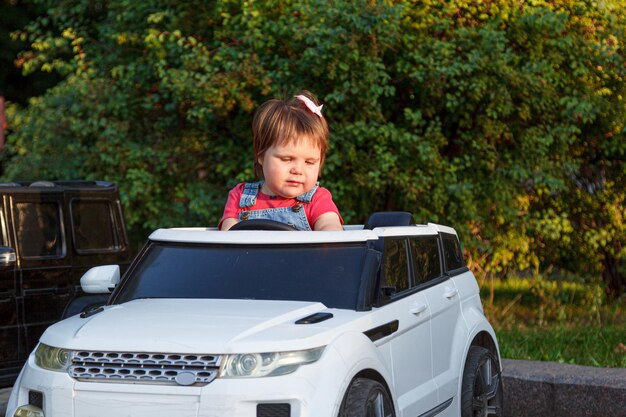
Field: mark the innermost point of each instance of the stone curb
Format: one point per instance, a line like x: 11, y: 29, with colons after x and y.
x: 544, y: 389
x: 549, y: 389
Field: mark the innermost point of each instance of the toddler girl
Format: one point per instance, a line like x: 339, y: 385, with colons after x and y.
x: 290, y: 142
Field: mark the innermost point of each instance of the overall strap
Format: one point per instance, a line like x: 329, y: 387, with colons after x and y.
x: 250, y: 191
x: 308, y: 196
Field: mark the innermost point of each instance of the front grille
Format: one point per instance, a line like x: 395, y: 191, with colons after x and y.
x: 163, y: 368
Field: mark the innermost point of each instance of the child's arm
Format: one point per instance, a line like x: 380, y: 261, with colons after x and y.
x: 328, y: 221
x: 228, y: 223
x: 231, y: 208
x: 323, y: 212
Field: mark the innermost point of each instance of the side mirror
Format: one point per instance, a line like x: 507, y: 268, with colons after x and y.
x: 100, y: 279
x: 7, y: 257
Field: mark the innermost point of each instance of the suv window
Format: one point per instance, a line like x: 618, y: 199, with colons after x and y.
x: 39, y: 229
x: 426, y: 261
x: 396, y: 264
x: 92, y: 226
x: 452, y: 252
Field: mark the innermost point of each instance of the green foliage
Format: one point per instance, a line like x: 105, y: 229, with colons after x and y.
x: 504, y: 119
x: 556, y: 320
x: 14, y: 86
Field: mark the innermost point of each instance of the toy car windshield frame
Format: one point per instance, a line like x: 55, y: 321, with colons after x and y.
x: 339, y: 275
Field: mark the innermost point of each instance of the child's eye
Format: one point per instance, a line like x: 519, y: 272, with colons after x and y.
x: 311, y: 162
x: 285, y: 159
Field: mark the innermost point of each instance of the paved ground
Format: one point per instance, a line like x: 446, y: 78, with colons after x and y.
x: 4, y: 397
x: 562, y: 390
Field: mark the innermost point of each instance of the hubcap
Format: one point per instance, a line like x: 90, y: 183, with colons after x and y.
x: 378, y: 407
x: 486, y: 401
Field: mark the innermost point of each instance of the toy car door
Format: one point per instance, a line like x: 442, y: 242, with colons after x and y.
x: 445, y: 307
x: 414, y: 384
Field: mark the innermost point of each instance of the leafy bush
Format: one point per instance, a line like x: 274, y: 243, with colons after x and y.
x: 504, y: 119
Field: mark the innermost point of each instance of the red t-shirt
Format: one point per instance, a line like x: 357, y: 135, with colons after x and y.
x: 321, y: 203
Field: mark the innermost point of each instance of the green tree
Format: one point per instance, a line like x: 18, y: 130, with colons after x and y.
x: 14, y: 15
x: 531, y: 103
x: 503, y: 119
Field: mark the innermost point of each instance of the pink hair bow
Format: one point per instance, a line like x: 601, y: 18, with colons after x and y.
x: 310, y: 105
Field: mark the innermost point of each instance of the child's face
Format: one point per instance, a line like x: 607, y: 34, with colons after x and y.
x: 290, y: 169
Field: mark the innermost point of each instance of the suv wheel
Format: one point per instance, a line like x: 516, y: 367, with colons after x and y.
x: 366, y: 398
x: 481, y: 390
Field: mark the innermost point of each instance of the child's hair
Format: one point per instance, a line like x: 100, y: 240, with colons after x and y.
x: 277, y: 122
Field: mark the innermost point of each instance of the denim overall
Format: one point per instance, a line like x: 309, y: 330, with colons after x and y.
x: 294, y: 216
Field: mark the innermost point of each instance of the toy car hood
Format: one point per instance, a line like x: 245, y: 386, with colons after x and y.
x: 199, y: 325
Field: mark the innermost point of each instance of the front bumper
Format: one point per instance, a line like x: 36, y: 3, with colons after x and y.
x: 314, y: 390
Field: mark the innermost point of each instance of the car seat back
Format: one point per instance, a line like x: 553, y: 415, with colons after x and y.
x: 389, y: 218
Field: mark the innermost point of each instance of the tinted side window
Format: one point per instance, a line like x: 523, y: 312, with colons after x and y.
x: 39, y: 229
x: 93, y: 226
x: 426, y: 262
x: 452, y: 252
x: 396, y: 265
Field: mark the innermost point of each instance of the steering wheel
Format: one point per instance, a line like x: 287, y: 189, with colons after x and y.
x: 262, y: 224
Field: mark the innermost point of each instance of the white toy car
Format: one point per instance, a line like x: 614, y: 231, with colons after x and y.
x: 375, y: 321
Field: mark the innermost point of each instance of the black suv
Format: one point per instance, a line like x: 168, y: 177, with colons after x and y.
x: 51, y: 232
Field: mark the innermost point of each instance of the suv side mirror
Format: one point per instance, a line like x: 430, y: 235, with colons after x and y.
x: 7, y: 257
x: 100, y: 279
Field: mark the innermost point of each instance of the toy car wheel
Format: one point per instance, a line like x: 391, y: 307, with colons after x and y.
x: 481, y: 390
x: 262, y: 224
x: 366, y: 398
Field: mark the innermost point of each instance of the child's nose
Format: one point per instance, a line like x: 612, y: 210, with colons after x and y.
x: 296, y: 168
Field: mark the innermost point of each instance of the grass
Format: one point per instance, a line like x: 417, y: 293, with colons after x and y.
x: 559, y: 321
x: 603, y: 347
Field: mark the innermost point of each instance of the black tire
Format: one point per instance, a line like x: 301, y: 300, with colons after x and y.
x: 481, y: 389
x: 262, y: 224
x: 366, y: 398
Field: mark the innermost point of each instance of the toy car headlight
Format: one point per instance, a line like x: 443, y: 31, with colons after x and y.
x: 51, y: 358
x: 252, y: 365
